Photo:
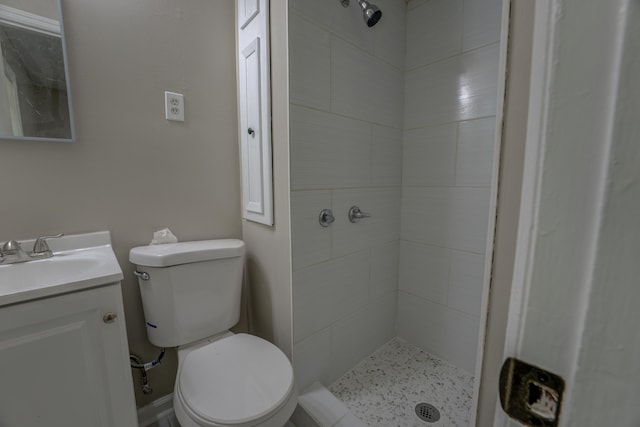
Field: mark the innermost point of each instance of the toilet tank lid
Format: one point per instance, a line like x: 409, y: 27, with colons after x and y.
x: 170, y: 254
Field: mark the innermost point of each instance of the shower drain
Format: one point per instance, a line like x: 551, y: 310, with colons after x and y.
x: 427, y: 412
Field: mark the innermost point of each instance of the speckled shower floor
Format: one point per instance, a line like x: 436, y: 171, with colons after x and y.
x: 383, y: 389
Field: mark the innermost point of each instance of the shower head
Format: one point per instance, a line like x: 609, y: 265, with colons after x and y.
x: 370, y: 12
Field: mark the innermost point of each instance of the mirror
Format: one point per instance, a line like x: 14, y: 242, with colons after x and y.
x: 35, y: 102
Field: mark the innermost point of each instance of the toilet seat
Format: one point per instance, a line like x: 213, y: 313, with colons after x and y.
x: 237, y: 380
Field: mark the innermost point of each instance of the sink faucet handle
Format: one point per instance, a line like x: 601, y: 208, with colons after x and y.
x: 40, y: 247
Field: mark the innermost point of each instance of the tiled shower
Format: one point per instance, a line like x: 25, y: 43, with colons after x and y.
x: 398, y: 119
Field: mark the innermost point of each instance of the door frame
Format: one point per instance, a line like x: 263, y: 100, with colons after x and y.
x: 531, y: 178
x: 493, y: 207
x: 572, y: 113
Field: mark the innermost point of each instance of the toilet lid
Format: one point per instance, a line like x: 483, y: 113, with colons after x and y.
x: 235, y: 380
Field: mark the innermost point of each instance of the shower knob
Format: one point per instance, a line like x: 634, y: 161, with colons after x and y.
x: 355, y: 214
x: 326, y: 217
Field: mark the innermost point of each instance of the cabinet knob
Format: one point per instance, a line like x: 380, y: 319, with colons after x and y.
x: 109, y: 317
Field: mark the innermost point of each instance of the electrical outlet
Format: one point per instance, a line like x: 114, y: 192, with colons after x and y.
x: 174, y: 106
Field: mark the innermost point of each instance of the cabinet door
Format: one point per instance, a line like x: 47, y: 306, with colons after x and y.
x: 62, y: 365
x: 254, y: 108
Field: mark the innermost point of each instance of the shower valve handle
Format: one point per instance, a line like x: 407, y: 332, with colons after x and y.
x: 355, y: 214
x: 326, y: 217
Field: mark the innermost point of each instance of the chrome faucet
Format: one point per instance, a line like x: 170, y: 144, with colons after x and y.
x: 40, y: 247
x: 12, y: 252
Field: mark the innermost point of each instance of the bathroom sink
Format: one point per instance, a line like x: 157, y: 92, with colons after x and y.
x: 79, y: 262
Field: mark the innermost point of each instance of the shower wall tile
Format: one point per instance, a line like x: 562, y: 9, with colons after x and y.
x: 312, y: 359
x: 311, y: 243
x: 383, y: 226
x: 434, y: 31
x: 448, y: 217
x: 466, y: 282
x: 328, y: 151
x: 397, y: 135
x: 360, y: 334
x: 348, y: 25
x: 386, y: 156
x: 429, y: 157
x: 439, y: 330
x: 364, y: 87
x: 389, y: 32
x: 327, y: 292
x: 424, y: 271
x: 460, y: 88
x: 319, y: 12
x: 384, y: 268
x: 309, y: 64
x: 474, y: 161
x: 482, y: 19
x: 412, y: 4
x: 385, y: 39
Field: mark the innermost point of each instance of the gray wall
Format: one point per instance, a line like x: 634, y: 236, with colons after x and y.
x: 269, y: 248
x: 131, y: 171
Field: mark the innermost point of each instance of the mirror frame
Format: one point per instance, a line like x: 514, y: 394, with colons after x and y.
x: 69, y: 93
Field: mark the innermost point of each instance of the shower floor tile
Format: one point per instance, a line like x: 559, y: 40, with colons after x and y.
x: 383, y: 389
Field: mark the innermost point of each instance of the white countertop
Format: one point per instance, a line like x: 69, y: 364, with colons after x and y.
x: 80, y: 261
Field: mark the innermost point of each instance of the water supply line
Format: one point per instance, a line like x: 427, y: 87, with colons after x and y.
x: 137, y: 363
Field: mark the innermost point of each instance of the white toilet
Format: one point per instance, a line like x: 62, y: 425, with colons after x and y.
x: 191, y: 296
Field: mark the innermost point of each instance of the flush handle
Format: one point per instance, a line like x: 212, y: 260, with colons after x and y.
x: 142, y: 275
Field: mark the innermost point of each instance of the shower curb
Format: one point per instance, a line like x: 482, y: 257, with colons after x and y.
x: 318, y: 407
x: 156, y: 411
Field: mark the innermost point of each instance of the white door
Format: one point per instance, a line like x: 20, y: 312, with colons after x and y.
x: 62, y: 365
x: 576, y: 287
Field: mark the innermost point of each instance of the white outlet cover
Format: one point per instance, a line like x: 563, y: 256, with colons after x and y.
x: 174, y: 106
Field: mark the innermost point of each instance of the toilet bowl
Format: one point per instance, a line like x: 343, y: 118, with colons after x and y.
x: 238, y: 380
x: 191, y: 297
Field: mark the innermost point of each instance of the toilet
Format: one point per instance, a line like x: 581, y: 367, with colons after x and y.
x: 191, y: 296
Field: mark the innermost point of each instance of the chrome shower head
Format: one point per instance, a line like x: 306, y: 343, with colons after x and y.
x: 370, y: 12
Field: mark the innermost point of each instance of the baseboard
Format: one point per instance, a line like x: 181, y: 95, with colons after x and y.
x: 155, y: 411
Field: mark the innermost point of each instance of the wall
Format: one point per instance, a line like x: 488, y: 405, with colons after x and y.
x: 130, y: 171
x: 346, y: 83
x: 607, y: 380
x: 451, y: 84
x: 269, y: 248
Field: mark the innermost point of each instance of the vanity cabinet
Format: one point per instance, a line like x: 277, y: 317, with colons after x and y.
x: 64, y: 361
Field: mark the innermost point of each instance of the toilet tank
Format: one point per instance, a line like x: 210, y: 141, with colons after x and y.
x: 191, y: 290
